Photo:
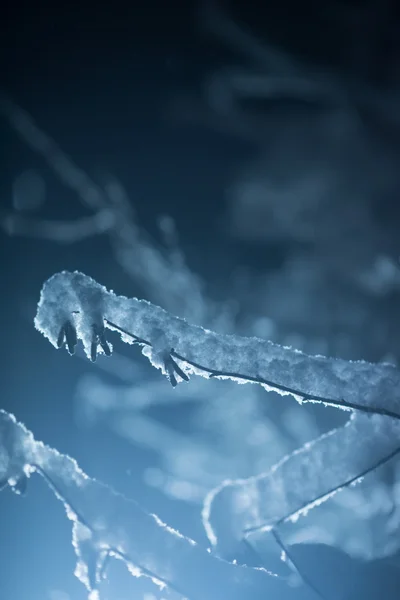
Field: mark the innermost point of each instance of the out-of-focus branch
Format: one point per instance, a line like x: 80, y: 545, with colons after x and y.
x: 276, y: 74
x: 71, y: 175
x: 64, y: 232
x: 114, y: 215
x: 222, y: 26
x: 273, y: 72
x: 74, y: 307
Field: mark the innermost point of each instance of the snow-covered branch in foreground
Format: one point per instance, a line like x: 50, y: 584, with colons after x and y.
x: 74, y: 307
x: 108, y: 525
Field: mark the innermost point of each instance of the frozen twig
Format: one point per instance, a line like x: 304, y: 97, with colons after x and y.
x: 114, y: 215
x: 350, y: 385
x: 301, y: 480
x: 106, y: 524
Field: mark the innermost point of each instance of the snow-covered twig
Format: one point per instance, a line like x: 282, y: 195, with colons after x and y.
x: 113, y: 214
x: 300, y: 481
x: 106, y: 524
x: 87, y: 308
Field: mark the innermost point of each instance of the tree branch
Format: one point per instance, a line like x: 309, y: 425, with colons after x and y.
x: 106, y: 524
x: 350, y: 385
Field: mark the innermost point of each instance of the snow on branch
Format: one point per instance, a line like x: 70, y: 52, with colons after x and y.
x: 310, y: 475
x: 108, y: 525
x: 74, y: 307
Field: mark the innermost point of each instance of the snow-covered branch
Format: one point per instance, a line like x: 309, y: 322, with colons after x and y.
x: 106, y: 524
x: 301, y: 480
